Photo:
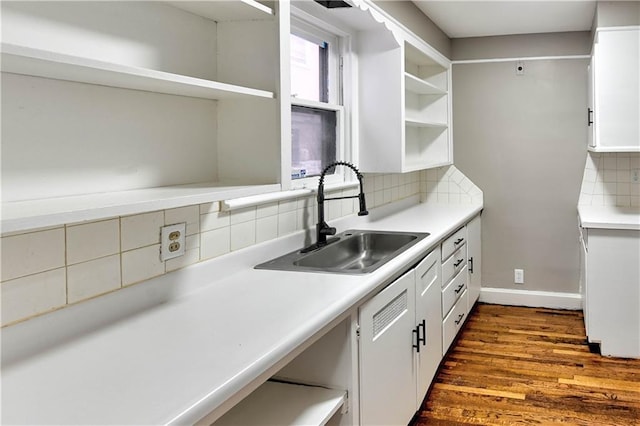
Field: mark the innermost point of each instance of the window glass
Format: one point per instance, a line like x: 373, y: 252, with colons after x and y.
x: 309, y: 76
x: 313, y: 140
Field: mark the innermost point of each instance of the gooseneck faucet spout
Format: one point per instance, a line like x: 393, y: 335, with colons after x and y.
x: 322, y: 228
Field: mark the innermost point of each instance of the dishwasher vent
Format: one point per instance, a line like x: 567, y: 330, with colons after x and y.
x: 387, y: 315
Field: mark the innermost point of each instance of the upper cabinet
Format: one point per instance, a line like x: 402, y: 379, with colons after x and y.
x: 112, y: 108
x: 614, y: 85
x: 404, y: 101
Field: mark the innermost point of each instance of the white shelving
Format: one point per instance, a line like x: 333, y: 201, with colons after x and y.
x: 32, y: 214
x: 226, y: 10
x: 405, y: 104
x: 276, y: 403
x: 40, y: 63
x: 105, y: 114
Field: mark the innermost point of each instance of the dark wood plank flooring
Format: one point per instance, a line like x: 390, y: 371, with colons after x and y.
x: 530, y: 366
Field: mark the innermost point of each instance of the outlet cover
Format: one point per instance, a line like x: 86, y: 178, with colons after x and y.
x: 518, y: 276
x: 635, y: 176
x: 172, y: 241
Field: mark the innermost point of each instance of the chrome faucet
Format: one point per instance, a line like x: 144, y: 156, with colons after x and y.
x: 322, y: 228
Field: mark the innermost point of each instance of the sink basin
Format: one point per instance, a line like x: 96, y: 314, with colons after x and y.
x: 351, y: 252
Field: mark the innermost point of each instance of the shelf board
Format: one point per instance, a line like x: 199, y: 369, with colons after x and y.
x: 276, y: 403
x: 412, y: 122
x: 41, y: 63
x: 33, y: 214
x: 226, y: 10
x: 421, y: 87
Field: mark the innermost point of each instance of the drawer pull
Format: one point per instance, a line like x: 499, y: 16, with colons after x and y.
x: 460, y: 287
x: 471, y: 264
x: 455, y: 265
x: 422, y: 339
x: 458, y: 241
x: 459, y: 320
x: 416, y: 332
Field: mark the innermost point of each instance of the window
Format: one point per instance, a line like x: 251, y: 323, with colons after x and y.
x: 317, y: 114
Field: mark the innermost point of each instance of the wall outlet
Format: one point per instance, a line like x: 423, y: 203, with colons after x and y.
x: 635, y: 176
x: 518, y: 276
x: 172, y: 241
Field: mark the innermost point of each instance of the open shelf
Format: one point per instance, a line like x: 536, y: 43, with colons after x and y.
x: 421, y: 87
x: 32, y: 214
x: 40, y: 63
x: 276, y: 403
x: 226, y: 10
x: 412, y: 122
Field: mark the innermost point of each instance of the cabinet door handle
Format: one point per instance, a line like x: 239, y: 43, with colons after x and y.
x: 458, y: 241
x: 459, y: 320
x: 589, y: 115
x: 416, y: 332
x: 460, y: 287
x: 423, y: 339
x: 455, y: 265
x: 471, y: 264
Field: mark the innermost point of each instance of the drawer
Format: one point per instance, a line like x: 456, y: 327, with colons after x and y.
x: 454, y: 321
x: 453, y: 243
x: 452, y: 292
x: 454, y: 264
x: 428, y: 271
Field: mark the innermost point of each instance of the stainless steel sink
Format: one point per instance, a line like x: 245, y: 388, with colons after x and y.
x: 351, y: 252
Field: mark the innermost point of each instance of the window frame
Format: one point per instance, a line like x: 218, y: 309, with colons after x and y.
x: 317, y: 30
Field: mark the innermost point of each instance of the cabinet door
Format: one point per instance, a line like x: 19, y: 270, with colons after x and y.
x: 474, y: 251
x: 617, y: 84
x: 591, y: 139
x: 387, y: 368
x: 428, y: 276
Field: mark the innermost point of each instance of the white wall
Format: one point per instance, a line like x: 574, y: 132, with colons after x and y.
x: 522, y: 140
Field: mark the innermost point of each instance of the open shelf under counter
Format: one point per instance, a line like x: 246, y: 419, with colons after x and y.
x: 226, y: 10
x: 35, y: 214
x: 276, y: 403
x: 421, y: 87
x: 41, y: 63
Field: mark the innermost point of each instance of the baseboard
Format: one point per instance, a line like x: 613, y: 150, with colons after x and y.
x: 535, y: 299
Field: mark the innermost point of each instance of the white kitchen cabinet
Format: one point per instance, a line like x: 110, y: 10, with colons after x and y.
x: 106, y: 113
x: 612, y: 290
x: 474, y: 262
x: 400, y: 345
x: 614, y: 84
x: 405, y: 103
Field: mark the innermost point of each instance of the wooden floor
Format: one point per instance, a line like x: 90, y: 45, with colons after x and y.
x: 530, y: 366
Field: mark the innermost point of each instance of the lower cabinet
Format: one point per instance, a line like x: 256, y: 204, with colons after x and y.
x: 474, y: 262
x: 611, y: 280
x: 400, y: 345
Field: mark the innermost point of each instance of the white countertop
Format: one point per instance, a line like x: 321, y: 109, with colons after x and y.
x: 609, y: 217
x: 175, y: 348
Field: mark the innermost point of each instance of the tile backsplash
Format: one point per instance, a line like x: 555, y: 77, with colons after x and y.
x: 48, y: 269
x: 608, y: 180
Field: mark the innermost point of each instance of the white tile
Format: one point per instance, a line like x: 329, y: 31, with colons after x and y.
x: 623, y: 201
x: 266, y: 228
x: 89, y: 279
x: 388, y: 181
x: 265, y: 210
x: 190, y: 257
x: 189, y: 215
x: 454, y: 188
x: 141, y: 230
x: 395, y: 179
x: 465, y: 185
x: 287, y: 206
x: 584, y: 200
x: 622, y: 163
x: 610, y: 175
x: 305, y: 202
x: 305, y: 219
x: 242, y: 215
x: 623, y: 176
x: 192, y: 242
x: 443, y: 186
x: 598, y: 188
x: 634, y: 162
x: 209, y: 207
x: 443, y: 197
x: 378, y: 198
x: 634, y: 189
x: 214, y: 220
x: 332, y: 209
x: 92, y: 240
x: 589, y: 175
x: 387, y: 196
x: 610, y: 163
x: 597, y: 200
x: 215, y: 243
x: 432, y: 175
x: 457, y: 176
x: 35, y: 294
x: 243, y: 235
x: 610, y: 188
x: 623, y: 189
x: 141, y: 264
x: 635, y: 201
x: 395, y: 193
x: 27, y: 254
x: 287, y: 223
x: 610, y: 200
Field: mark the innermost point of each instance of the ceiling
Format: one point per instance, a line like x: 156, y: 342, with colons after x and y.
x: 489, y: 18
